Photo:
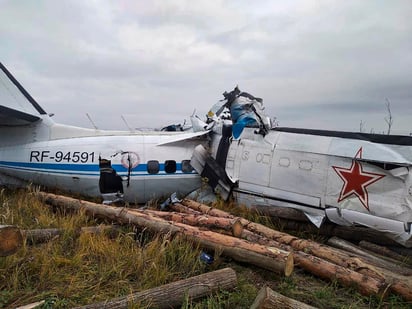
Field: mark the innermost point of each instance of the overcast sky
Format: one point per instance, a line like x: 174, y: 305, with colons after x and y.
x: 317, y: 64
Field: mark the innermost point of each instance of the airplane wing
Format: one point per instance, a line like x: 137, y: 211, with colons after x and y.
x: 182, y: 137
x: 17, y: 107
x: 12, y: 117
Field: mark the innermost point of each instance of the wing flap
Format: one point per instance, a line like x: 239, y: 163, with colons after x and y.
x: 12, y: 117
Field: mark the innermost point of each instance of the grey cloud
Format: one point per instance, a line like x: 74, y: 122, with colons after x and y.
x: 324, y: 64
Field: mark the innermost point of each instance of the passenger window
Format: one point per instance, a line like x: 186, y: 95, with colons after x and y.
x: 170, y: 166
x: 186, y: 167
x: 153, y: 167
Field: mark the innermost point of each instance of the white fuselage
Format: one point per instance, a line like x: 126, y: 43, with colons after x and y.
x: 72, y: 163
x: 304, y: 168
x: 347, y: 179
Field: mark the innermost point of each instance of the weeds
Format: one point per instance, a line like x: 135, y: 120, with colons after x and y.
x: 73, y: 269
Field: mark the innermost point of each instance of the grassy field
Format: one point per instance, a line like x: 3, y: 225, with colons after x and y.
x: 77, y: 269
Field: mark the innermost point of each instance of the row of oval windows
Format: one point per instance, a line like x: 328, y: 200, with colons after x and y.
x: 170, y: 166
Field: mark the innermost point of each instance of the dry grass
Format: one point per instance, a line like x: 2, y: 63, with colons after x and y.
x: 73, y: 270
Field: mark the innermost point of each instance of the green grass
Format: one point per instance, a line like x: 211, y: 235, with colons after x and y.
x: 73, y: 270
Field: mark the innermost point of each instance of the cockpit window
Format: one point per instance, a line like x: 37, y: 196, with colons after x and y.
x: 170, y: 166
x: 153, y: 167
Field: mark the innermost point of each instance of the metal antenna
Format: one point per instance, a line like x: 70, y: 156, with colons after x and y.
x: 91, y: 121
x: 127, y: 125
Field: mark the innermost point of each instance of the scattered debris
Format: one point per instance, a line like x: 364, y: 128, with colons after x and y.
x: 38, y: 236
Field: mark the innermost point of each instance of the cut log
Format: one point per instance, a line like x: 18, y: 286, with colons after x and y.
x: 367, y: 285
x: 11, y: 240
x: 385, y: 252
x: 369, y: 256
x: 182, y: 209
x: 196, y: 219
x: 206, y: 209
x: 116, y: 214
x: 331, y: 254
x: 352, y: 233
x: 172, y: 295
x: 407, y: 252
x: 237, y: 229
x: 328, y: 253
x: 266, y: 257
x: 398, y: 284
x: 241, y: 250
x: 269, y: 299
x: 38, y: 236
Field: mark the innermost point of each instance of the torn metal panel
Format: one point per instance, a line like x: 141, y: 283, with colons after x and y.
x: 350, y: 178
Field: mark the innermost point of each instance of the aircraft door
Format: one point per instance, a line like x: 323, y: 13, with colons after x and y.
x: 110, y: 183
x: 299, y: 177
x: 233, y: 165
x: 131, y: 173
x: 254, y: 164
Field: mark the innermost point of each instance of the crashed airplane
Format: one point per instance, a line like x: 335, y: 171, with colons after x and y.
x: 345, y: 177
x: 117, y: 165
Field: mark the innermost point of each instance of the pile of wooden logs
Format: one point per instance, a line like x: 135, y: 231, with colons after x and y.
x: 253, y: 243
x: 324, y: 261
x: 197, y: 227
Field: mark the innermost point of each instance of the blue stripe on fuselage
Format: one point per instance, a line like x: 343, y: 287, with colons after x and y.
x: 84, y: 169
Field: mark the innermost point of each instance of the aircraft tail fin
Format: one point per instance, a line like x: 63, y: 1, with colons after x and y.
x: 17, y: 106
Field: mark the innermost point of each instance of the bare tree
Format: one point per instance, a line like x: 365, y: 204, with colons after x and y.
x: 274, y: 122
x: 389, y: 119
x: 361, y: 126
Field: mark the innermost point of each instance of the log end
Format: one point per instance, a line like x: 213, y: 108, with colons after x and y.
x: 11, y: 240
x: 237, y: 229
x: 289, y: 265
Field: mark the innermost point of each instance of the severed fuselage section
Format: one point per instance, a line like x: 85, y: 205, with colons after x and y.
x: 345, y: 177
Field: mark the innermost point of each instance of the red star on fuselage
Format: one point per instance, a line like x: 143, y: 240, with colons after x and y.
x: 355, y: 180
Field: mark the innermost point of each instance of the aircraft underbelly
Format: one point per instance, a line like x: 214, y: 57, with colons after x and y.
x: 83, y: 184
x: 159, y: 188
x: 261, y: 195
